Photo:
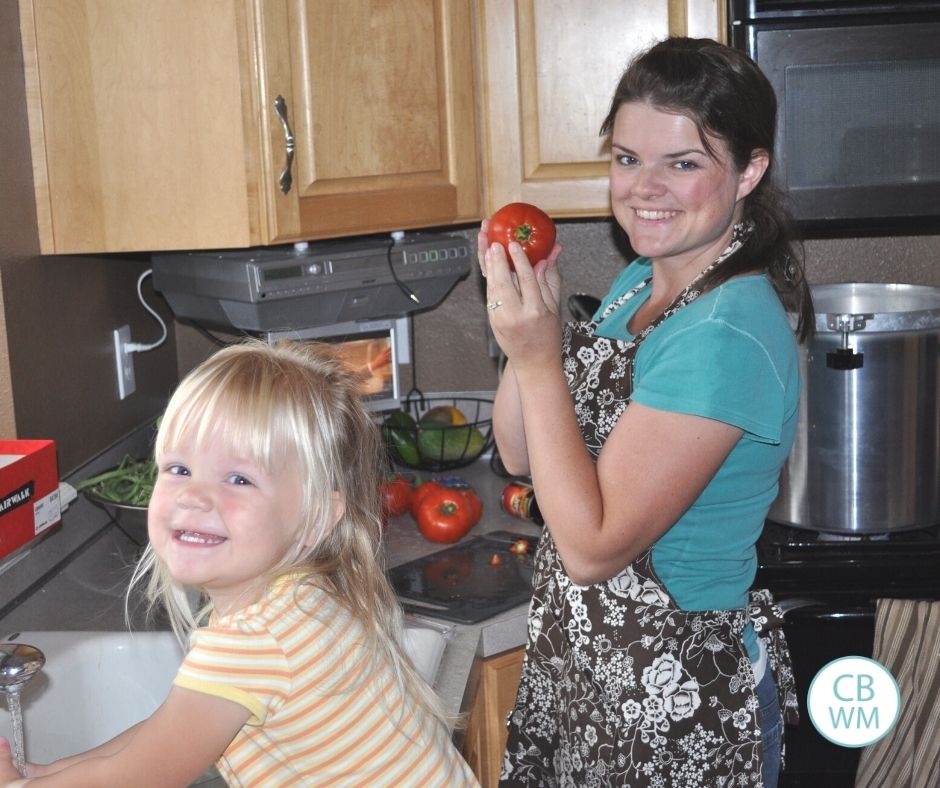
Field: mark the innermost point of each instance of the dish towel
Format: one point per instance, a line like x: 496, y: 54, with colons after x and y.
x: 907, y: 642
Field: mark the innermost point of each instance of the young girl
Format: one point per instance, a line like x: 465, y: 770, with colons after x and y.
x: 267, y: 502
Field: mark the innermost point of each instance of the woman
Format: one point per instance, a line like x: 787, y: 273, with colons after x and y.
x: 643, y: 665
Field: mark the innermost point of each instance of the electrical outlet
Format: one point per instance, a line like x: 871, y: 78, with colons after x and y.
x: 124, y: 362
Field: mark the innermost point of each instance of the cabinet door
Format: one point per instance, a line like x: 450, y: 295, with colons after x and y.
x: 550, y: 69
x: 486, y: 734
x: 139, y: 136
x: 379, y: 98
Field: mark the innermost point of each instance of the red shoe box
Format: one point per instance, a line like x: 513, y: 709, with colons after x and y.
x: 29, y: 491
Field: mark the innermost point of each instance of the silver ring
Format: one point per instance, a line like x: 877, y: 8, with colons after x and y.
x: 494, y: 304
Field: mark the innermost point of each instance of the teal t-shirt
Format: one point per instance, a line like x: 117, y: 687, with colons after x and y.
x: 730, y: 355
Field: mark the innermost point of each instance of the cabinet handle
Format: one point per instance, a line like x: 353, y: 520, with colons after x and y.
x: 280, y: 107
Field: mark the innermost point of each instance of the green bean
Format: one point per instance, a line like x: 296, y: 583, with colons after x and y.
x: 130, y: 483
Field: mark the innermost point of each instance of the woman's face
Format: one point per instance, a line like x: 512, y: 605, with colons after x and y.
x: 675, y: 202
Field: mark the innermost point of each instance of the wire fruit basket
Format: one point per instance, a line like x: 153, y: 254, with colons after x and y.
x: 438, y: 433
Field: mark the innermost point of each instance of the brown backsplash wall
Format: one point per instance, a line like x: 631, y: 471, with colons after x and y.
x: 60, y: 314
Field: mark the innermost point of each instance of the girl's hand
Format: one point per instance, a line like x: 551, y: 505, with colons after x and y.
x: 9, y: 776
x: 524, y: 304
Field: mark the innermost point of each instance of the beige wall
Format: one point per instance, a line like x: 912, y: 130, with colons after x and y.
x: 451, y: 340
x: 57, y: 313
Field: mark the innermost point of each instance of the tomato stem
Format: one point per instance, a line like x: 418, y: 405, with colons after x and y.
x: 523, y: 233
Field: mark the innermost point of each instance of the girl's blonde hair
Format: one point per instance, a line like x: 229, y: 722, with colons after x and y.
x: 296, y: 402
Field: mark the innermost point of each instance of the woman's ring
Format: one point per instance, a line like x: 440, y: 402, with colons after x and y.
x: 494, y: 304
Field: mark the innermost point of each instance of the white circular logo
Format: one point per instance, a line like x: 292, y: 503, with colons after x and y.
x: 853, y: 701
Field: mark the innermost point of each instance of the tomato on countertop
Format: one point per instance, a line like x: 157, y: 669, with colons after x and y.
x: 396, y: 495
x: 445, y: 509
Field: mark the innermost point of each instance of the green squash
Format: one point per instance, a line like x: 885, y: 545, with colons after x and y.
x: 449, y: 443
x: 400, y: 433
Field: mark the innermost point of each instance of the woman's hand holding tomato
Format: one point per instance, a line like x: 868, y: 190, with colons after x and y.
x: 526, y: 225
x: 527, y: 320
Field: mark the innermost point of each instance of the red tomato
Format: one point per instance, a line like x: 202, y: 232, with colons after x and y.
x: 530, y: 227
x: 451, y: 482
x: 396, y: 496
x: 445, y: 512
x: 419, y: 493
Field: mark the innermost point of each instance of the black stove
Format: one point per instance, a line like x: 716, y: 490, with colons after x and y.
x: 828, y: 585
x: 900, y: 563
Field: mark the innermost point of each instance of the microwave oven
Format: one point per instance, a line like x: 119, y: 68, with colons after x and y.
x: 375, y: 349
x: 858, y: 118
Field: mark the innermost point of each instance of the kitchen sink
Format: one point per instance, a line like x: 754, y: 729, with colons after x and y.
x: 96, y: 684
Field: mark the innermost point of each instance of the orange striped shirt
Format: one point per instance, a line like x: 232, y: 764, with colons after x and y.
x: 319, y: 714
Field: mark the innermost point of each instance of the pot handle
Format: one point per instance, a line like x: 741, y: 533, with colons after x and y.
x: 845, y: 357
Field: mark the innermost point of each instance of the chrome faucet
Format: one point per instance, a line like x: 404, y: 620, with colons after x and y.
x: 18, y: 664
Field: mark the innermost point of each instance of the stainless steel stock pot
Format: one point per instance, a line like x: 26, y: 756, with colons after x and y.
x: 866, y: 458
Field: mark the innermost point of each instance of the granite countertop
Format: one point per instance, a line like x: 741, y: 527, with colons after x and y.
x: 75, y: 579
x: 456, y: 679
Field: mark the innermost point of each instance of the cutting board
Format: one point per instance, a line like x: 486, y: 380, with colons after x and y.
x: 461, y: 584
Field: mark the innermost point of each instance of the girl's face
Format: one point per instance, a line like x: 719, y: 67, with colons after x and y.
x: 220, y: 522
x: 676, y: 203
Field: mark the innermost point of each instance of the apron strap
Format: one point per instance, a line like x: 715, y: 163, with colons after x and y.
x: 767, y: 619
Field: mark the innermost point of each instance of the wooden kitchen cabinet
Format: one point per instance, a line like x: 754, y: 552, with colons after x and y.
x: 153, y: 124
x: 549, y: 70
x: 485, y: 736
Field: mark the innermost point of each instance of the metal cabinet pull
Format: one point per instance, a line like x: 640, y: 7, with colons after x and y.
x: 286, y: 179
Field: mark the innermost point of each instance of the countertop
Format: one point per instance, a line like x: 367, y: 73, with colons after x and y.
x: 468, y: 642
x: 86, y: 591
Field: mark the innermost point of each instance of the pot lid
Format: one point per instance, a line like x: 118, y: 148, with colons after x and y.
x: 870, y: 306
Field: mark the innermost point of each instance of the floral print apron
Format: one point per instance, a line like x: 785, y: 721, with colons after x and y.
x: 619, y: 686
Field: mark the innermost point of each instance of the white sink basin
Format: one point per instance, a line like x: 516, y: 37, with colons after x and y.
x: 96, y: 684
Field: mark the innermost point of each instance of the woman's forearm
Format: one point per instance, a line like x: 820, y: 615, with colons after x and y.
x: 509, y: 426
